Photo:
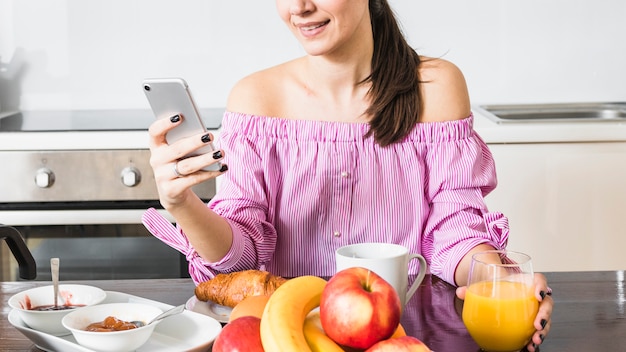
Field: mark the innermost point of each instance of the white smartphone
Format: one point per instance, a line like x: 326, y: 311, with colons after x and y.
x: 171, y: 96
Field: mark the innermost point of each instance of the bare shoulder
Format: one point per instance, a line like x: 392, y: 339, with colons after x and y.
x: 259, y: 93
x: 444, y: 91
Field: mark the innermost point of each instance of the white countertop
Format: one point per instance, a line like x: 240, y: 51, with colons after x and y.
x: 80, y: 140
x: 546, y: 132
x: 76, y: 217
x: 76, y: 140
x: 84, y: 129
x: 489, y: 130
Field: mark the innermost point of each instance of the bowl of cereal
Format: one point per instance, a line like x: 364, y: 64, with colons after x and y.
x: 112, y: 327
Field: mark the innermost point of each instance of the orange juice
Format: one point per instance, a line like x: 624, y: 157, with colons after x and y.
x: 499, y: 315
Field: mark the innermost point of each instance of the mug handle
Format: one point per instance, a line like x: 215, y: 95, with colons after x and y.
x: 420, y: 275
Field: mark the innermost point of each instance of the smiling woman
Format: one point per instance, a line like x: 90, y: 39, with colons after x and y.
x: 359, y: 140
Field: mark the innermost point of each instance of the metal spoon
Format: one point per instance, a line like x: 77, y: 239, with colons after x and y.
x: 54, y: 268
x: 167, y: 313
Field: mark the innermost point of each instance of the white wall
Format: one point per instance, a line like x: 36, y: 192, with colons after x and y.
x: 92, y: 54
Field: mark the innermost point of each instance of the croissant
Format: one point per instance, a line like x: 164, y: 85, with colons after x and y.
x: 230, y: 289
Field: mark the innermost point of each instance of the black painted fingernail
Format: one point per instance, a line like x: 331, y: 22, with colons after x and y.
x: 206, y: 138
x: 542, y: 294
x: 541, y: 337
x: 217, y: 154
x: 543, y: 323
x: 175, y: 118
x: 224, y: 168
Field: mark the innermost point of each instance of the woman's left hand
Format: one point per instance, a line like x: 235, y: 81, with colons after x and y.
x: 543, y: 319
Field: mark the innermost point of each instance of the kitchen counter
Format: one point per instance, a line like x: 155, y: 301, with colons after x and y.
x: 589, y: 313
x: 489, y: 130
x: 73, y: 140
x: 85, y: 129
x: 546, y: 132
x: 560, y: 184
x: 57, y: 156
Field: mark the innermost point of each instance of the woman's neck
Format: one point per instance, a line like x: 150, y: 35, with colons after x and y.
x: 336, y: 80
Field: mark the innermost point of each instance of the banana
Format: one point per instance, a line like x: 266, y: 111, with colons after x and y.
x: 283, y: 318
x: 316, y: 337
x: 320, y: 342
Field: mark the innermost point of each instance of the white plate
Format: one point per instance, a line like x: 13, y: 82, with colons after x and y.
x: 188, y: 331
x: 210, y: 308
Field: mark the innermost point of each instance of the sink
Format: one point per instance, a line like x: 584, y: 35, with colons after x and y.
x: 558, y: 112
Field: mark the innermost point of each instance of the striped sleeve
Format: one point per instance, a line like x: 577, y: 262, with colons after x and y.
x: 461, y: 173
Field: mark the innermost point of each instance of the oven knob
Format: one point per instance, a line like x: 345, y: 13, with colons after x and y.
x: 131, y: 176
x: 44, y: 178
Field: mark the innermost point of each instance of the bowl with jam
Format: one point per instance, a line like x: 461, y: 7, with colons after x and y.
x: 38, y: 310
x: 112, y: 327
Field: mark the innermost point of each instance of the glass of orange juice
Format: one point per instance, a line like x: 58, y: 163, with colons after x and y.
x: 500, y: 305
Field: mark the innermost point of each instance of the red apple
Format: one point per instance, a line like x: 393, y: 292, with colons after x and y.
x: 240, y: 335
x: 400, y: 344
x: 359, y: 308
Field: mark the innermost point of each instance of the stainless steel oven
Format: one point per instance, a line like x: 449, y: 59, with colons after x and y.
x: 75, y: 184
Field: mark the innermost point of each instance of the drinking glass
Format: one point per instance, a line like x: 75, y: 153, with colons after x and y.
x: 500, y: 305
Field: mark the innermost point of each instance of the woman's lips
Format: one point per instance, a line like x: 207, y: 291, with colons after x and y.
x: 312, y: 29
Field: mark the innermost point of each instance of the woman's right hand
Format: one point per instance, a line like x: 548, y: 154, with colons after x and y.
x: 174, y: 175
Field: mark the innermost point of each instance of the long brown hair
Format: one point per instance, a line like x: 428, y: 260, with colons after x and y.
x: 394, y: 92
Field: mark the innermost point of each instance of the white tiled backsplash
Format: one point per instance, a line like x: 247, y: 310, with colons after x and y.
x: 91, y: 54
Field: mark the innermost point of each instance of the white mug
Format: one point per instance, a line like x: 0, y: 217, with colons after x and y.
x: 389, y: 261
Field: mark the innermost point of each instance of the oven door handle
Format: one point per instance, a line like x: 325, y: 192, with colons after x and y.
x: 25, y: 260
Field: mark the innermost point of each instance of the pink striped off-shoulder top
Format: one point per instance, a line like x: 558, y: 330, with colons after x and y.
x: 297, y: 190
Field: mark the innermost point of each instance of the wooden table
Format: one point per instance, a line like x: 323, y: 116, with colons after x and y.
x: 589, y: 311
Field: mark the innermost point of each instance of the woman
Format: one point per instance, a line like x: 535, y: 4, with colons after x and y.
x: 359, y: 140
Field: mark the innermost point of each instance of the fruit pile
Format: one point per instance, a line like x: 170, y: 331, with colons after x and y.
x: 358, y: 311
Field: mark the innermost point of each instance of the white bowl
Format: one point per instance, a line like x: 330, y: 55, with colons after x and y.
x: 50, y: 321
x: 114, y: 341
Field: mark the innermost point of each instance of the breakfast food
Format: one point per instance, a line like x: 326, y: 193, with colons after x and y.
x: 249, y: 306
x: 230, y: 289
x: 27, y: 304
x: 374, y: 298
x: 285, y: 313
x: 292, y: 321
x: 49, y: 307
x: 242, y: 334
x: 110, y: 323
x: 315, y: 336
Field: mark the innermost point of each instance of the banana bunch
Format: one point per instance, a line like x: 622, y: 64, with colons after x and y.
x: 283, y: 321
x: 291, y: 323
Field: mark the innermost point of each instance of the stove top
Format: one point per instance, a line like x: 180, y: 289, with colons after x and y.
x: 91, y: 120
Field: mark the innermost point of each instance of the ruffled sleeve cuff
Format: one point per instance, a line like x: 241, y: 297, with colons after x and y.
x: 199, y: 269
x: 496, y: 235
x: 497, y: 229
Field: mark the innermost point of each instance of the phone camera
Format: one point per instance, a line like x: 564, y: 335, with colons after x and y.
x: 146, y: 87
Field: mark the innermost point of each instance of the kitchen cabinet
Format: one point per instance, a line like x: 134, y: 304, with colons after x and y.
x: 566, y: 202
